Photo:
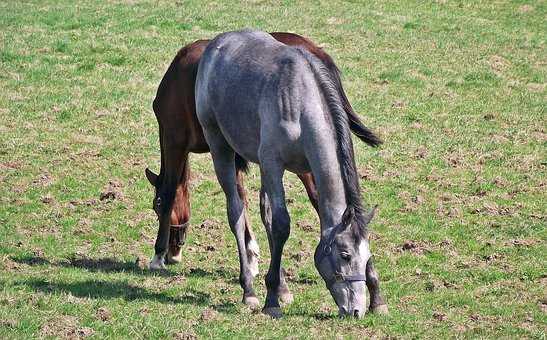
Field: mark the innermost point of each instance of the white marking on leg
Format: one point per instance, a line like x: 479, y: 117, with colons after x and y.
x: 156, y: 263
x: 253, y: 253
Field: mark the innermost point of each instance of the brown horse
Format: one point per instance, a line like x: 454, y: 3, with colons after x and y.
x: 180, y: 134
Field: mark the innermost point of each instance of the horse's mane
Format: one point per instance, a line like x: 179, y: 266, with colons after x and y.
x: 331, y: 91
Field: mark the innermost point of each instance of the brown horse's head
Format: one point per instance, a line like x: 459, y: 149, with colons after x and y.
x: 179, y: 214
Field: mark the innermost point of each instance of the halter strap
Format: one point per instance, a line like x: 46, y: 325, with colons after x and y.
x: 184, y: 225
x: 327, y: 251
x: 178, y: 240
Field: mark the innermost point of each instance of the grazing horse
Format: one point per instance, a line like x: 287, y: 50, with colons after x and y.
x: 280, y: 107
x: 180, y: 133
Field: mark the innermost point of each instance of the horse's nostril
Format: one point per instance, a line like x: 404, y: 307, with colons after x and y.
x: 356, y: 313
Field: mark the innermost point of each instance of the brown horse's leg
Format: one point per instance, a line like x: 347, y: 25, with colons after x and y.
x: 174, y: 160
x: 309, y: 184
x: 253, y: 251
x: 180, y: 217
x: 377, y: 303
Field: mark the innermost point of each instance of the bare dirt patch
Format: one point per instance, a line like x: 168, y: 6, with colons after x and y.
x: 526, y: 9
x: 498, y: 63
x: 184, y: 336
x: 112, y: 191
x: 43, y: 180
x: 306, y: 226
x: 209, y: 314
x: 65, y: 327
x: 413, y: 247
x: 411, y: 202
x: 104, y: 314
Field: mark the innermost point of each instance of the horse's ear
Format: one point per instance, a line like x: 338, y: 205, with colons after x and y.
x: 371, y: 214
x: 348, y: 216
x: 152, y: 177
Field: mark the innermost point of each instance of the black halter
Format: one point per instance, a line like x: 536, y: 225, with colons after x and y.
x: 184, y: 225
x: 178, y: 240
x: 327, y: 250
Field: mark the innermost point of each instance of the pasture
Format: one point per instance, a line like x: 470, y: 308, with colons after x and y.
x: 456, y: 89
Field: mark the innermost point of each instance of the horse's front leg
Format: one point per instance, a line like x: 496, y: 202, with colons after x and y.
x: 266, y: 214
x: 377, y: 303
x: 272, y: 185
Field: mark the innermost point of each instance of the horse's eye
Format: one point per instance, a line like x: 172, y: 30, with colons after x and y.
x: 345, y: 256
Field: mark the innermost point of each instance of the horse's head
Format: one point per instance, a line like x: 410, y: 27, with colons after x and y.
x: 341, y: 259
x: 178, y: 217
x: 156, y: 202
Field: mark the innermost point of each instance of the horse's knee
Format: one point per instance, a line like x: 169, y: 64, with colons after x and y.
x: 281, y: 225
x: 371, y: 274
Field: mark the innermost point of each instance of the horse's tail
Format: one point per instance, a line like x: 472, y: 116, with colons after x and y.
x: 241, y: 164
x: 355, y: 124
x: 331, y: 88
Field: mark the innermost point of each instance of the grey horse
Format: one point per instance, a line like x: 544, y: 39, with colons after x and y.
x: 279, y: 107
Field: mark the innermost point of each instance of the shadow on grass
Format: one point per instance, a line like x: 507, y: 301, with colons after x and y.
x: 111, y: 265
x: 318, y: 316
x: 218, y: 272
x: 105, y: 265
x: 98, y: 289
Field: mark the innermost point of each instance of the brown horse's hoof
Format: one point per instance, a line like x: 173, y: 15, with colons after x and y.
x: 251, y: 301
x: 172, y: 259
x: 380, y: 310
x: 273, y: 312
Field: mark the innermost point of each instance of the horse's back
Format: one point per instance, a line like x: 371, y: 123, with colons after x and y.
x: 248, y: 87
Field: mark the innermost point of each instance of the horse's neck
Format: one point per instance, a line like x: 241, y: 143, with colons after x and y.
x: 328, y: 178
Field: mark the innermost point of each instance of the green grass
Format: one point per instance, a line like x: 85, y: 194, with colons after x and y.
x: 455, y: 88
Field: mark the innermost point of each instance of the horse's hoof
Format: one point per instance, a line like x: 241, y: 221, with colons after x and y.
x: 156, y: 263
x: 380, y: 310
x: 174, y: 259
x: 286, y: 297
x: 251, y: 301
x: 273, y: 312
x: 253, y: 253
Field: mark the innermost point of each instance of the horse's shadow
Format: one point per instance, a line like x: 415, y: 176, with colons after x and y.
x: 111, y: 265
x: 103, y: 289
x: 99, y: 289
x: 104, y: 265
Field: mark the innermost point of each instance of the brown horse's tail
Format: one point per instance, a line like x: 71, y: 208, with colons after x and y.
x: 241, y: 164
x: 355, y: 124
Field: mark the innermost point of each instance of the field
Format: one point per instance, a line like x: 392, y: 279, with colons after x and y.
x: 456, y: 89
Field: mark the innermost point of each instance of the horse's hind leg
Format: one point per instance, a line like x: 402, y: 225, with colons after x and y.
x: 223, y: 159
x: 253, y: 251
x: 377, y: 303
x: 311, y: 189
x: 266, y: 213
